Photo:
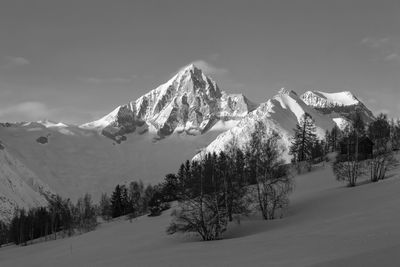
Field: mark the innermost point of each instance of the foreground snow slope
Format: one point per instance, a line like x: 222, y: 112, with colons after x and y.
x: 327, y: 225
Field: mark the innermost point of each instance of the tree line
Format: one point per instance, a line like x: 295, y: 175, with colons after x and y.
x: 350, y: 164
x: 133, y: 200
x: 61, y: 216
x: 213, y: 190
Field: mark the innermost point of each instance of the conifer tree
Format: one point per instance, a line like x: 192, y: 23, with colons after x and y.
x: 170, y: 187
x: 304, y: 139
x: 116, y: 202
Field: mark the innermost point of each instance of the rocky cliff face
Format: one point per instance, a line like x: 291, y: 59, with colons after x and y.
x: 189, y: 102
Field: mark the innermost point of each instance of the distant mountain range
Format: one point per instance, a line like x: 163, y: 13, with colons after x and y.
x: 149, y: 137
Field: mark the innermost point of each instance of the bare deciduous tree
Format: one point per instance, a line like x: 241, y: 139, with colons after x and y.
x: 273, y: 180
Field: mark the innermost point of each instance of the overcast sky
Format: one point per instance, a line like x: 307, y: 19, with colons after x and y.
x: 75, y: 61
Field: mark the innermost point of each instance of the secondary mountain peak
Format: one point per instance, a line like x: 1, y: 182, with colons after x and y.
x: 279, y: 114
x: 337, y: 105
x: 320, y: 99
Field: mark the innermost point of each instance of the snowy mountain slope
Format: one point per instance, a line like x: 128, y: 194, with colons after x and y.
x: 338, y: 105
x: 86, y: 161
x: 279, y: 114
x: 19, y: 186
x: 189, y: 102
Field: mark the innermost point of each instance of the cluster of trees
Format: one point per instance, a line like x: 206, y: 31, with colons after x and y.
x: 306, y: 147
x: 395, y: 134
x: 4, y: 233
x: 63, y: 217
x: 385, y: 136
x: 380, y: 132
x: 336, y: 108
x: 333, y: 139
x: 60, y: 216
x: 132, y: 200
x: 348, y: 167
x: 304, y: 139
x: 212, y: 190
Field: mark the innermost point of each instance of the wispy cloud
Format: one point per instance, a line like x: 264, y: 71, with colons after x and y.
x: 220, y: 74
x: 213, y: 57
x: 30, y: 110
x: 98, y: 80
x: 387, y: 49
x: 12, y: 62
x: 393, y: 57
x: 375, y: 42
x: 209, y: 69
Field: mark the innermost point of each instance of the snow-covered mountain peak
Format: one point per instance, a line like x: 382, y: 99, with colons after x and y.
x: 189, y: 102
x: 188, y: 70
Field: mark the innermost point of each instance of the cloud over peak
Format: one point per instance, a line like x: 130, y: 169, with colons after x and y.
x: 208, y: 68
